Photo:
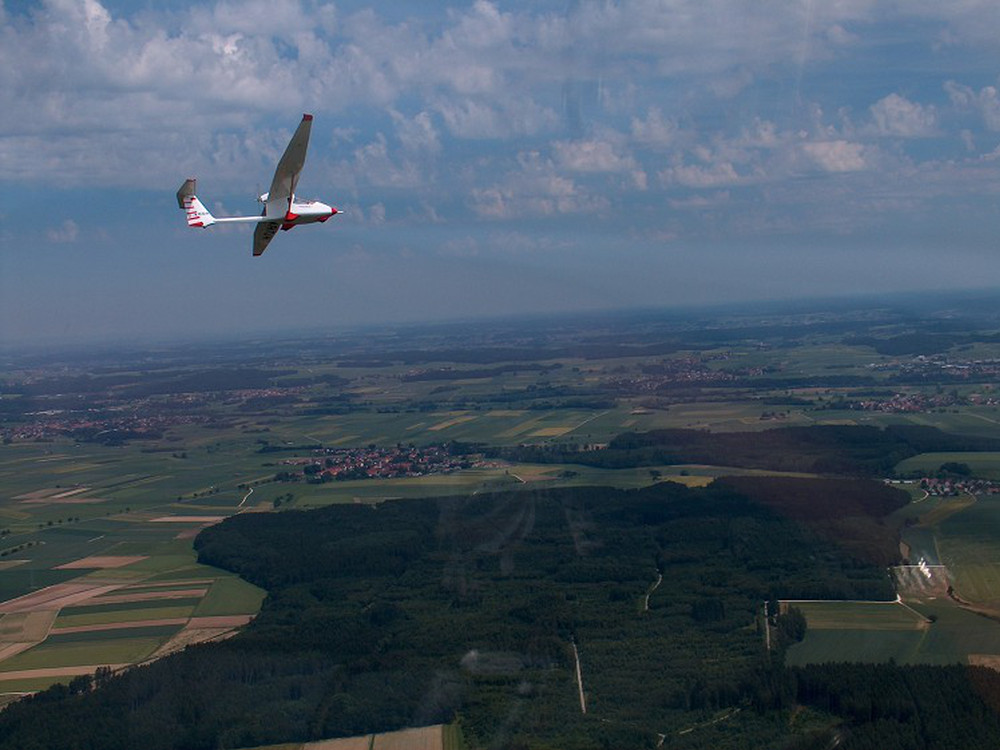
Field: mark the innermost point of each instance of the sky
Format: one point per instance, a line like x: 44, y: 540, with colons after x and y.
x: 490, y: 158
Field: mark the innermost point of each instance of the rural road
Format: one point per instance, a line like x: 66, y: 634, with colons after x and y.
x: 245, y: 497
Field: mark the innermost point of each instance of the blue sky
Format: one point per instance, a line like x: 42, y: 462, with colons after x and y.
x: 490, y: 157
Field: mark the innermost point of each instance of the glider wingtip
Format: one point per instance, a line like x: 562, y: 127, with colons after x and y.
x: 306, y: 118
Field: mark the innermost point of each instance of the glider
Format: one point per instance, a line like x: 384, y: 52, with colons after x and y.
x: 282, y: 210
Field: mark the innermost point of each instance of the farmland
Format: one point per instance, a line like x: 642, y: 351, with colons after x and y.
x: 95, y: 543
x: 437, y: 737
x: 111, y: 466
x: 959, y: 582
x: 854, y: 632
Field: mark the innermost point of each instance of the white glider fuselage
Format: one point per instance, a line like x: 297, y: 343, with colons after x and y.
x: 282, y: 210
x: 289, y: 214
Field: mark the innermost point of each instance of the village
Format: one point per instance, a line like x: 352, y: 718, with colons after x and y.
x: 951, y: 486
x: 373, y: 462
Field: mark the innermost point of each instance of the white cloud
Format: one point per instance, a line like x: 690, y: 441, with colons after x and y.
x: 138, y: 99
x: 376, y: 214
x: 697, y: 176
x: 67, y: 232
x: 591, y: 156
x: 462, y: 247
x: 985, y: 101
x: 373, y: 165
x: 701, y: 201
x: 418, y: 133
x: 496, y: 118
x: 895, y: 115
x: 965, y: 22
x: 534, y: 189
x: 836, y: 156
x: 654, y: 129
x: 760, y: 134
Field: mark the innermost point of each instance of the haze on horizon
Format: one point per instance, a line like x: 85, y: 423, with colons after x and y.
x: 491, y: 158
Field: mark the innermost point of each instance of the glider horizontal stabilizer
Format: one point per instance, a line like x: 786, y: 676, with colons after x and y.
x: 197, y: 214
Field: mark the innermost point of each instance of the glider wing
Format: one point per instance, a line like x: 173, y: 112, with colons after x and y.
x: 263, y: 235
x: 286, y: 176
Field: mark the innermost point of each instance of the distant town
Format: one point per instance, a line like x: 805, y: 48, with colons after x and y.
x: 372, y: 462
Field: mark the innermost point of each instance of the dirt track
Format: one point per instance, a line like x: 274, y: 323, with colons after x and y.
x: 121, y: 625
x: 58, y: 596
x: 27, y: 674
x: 145, y: 596
x: 101, y: 562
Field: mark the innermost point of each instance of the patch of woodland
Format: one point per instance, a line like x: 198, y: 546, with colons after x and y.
x: 844, y: 450
x: 848, y: 512
x: 467, y: 609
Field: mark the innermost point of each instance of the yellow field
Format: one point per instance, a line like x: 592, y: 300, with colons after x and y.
x: 985, y: 660
x: 437, y: 737
x: 347, y: 743
x: 551, y: 431
x: 26, y: 626
x: 423, y: 738
x: 690, y: 481
x: 835, y: 615
x: 452, y: 422
x: 520, y: 428
x: 945, y: 508
x: 187, y: 519
x: 101, y: 562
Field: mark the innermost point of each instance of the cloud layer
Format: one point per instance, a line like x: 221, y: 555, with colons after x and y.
x: 660, y: 123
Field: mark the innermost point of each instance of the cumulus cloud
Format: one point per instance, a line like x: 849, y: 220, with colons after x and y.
x: 535, y: 189
x: 495, y: 118
x: 985, y: 101
x: 605, y: 99
x: 701, y: 201
x: 898, y: 116
x: 592, y: 156
x: 654, y: 129
x: 67, y: 232
x: 460, y: 247
x: 698, y: 176
x: 376, y: 214
x: 836, y: 156
x: 418, y: 133
x: 374, y: 165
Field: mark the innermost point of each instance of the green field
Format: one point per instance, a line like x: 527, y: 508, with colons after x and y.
x: 158, y: 632
x: 963, y: 534
x: 69, y: 618
x: 969, y: 543
x: 952, y: 637
x: 92, y: 652
x: 230, y: 595
x: 856, y: 645
x: 984, y: 464
x: 65, y: 502
x: 860, y: 616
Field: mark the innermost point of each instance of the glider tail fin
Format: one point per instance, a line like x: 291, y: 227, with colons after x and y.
x: 197, y: 214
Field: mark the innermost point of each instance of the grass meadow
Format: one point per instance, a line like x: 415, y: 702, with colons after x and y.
x: 962, y: 533
x: 954, y: 635
x: 985, y: 465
